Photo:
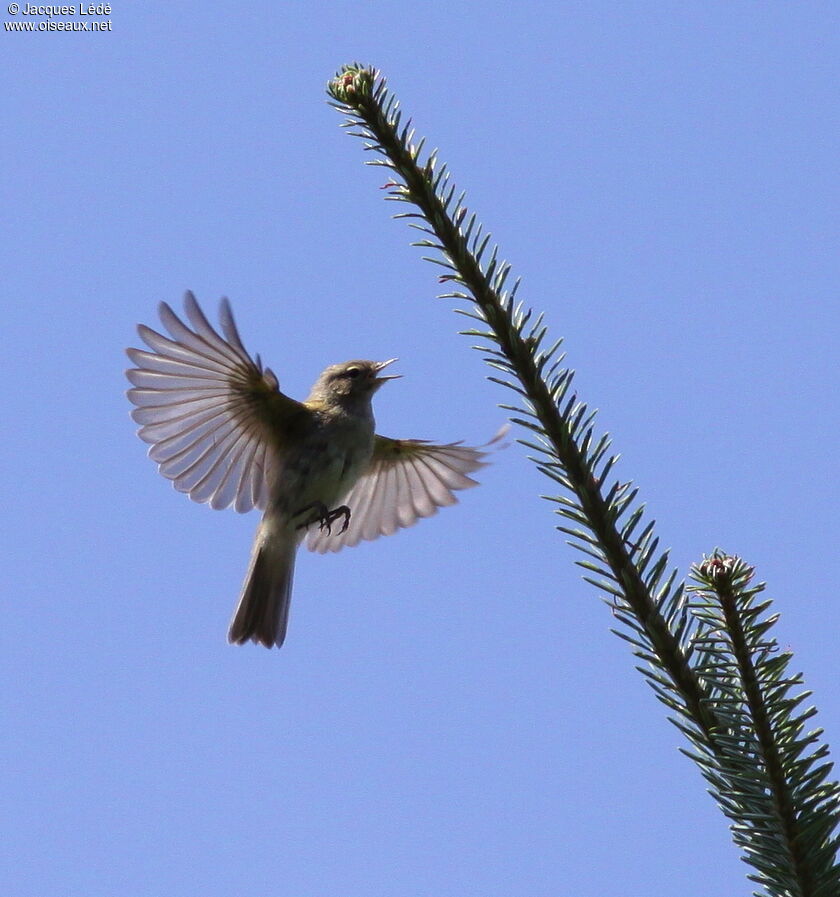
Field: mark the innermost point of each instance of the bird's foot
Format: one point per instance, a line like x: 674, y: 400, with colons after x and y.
x: 323, y: 516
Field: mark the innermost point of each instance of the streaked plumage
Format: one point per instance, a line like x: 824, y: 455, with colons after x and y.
x: 221, y: 430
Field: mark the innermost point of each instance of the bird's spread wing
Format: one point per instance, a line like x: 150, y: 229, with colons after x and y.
x: 407, y: 479
x: 211, y: 413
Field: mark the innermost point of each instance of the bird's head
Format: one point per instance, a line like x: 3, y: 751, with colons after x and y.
x: 351, y: 383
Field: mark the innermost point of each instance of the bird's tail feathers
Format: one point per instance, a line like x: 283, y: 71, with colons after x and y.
x: 262, y: 612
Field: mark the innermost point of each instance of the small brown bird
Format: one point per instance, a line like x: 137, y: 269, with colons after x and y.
x: 222, y: 431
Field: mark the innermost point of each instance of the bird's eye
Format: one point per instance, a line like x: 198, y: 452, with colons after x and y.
x: 352, y: 373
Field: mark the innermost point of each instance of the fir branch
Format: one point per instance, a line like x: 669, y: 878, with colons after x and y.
x: 763, y: 773
x: 707, y: 655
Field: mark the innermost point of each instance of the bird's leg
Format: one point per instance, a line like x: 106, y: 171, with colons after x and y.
x: 323, y: 516
x: 319, y: 512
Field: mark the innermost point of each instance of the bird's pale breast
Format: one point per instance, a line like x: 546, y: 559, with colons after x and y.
x: 324, y: 464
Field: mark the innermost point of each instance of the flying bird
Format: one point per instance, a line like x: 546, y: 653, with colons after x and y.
x: 220, y: 428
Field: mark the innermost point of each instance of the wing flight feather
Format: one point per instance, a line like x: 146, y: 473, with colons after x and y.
x: 210, y: 412
x: 407, y: 479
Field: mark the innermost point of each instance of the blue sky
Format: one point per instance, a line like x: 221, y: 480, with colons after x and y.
x: 450, y: 713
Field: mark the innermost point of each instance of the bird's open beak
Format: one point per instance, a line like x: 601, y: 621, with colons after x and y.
x: 381, y: 366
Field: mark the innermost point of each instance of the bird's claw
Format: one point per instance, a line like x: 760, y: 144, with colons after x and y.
x: 333, y: 515
x: 323, y: 516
